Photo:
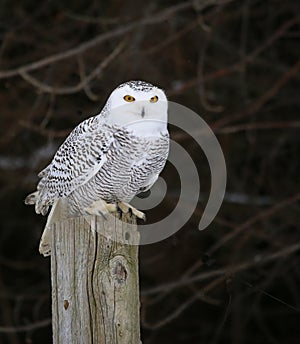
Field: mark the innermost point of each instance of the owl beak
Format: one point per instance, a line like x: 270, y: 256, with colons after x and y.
x: 143, y: 112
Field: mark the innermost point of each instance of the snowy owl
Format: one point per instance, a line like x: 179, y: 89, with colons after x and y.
x: 107, y: 159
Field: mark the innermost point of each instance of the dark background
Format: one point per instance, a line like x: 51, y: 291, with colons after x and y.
x: 235, y: 63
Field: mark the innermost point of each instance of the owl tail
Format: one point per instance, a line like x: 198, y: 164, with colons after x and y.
x: 54, y: 216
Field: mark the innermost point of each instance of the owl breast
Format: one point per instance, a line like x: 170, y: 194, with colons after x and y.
x: 132, y: 163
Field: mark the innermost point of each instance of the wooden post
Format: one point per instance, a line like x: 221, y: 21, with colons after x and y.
x: 95, y: 289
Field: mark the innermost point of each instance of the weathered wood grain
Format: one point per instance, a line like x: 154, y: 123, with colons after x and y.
x: 95, y: 291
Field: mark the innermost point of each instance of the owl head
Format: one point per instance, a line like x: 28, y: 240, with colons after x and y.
x: 138, y: 106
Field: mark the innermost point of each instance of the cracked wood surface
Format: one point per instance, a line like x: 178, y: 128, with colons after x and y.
x: 95, y: 292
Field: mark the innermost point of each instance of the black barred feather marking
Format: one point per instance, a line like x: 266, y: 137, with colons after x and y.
x: 127, y: 170
x: 75, y: 162
x: 138, y: 85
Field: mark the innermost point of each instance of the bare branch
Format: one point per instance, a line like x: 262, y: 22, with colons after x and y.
x: 24, y: 328
x: 173, y: 315
x: 259, y: 126
x: 256, y: 261
x: 46, y: 132
x: 82, y: 74
x: 240, y: 64
x: 81, y: 48
x: 260, y: 216
x: 82, y: 84
x: 260, y: 101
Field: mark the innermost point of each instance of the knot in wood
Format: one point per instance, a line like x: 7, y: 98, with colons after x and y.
x: 66, y: 304
x: 120, y: 273
x: 119, y: 270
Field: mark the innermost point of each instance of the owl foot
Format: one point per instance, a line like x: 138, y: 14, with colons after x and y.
x: 129, y: 209
x: 101, y: 208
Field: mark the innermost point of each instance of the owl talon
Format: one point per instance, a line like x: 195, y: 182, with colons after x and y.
x: 101, y: 208
x: 128, y: 209
x: 119, y: 212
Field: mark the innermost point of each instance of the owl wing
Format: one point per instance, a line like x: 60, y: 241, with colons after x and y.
x: 77, y: 160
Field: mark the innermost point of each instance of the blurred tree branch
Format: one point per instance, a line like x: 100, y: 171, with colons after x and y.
x: 81, y: 48
x: 42, y: 87
x: 25, y: 328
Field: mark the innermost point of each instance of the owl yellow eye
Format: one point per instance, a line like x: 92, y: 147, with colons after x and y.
x: 154, y: 99
x: 129, y: 98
